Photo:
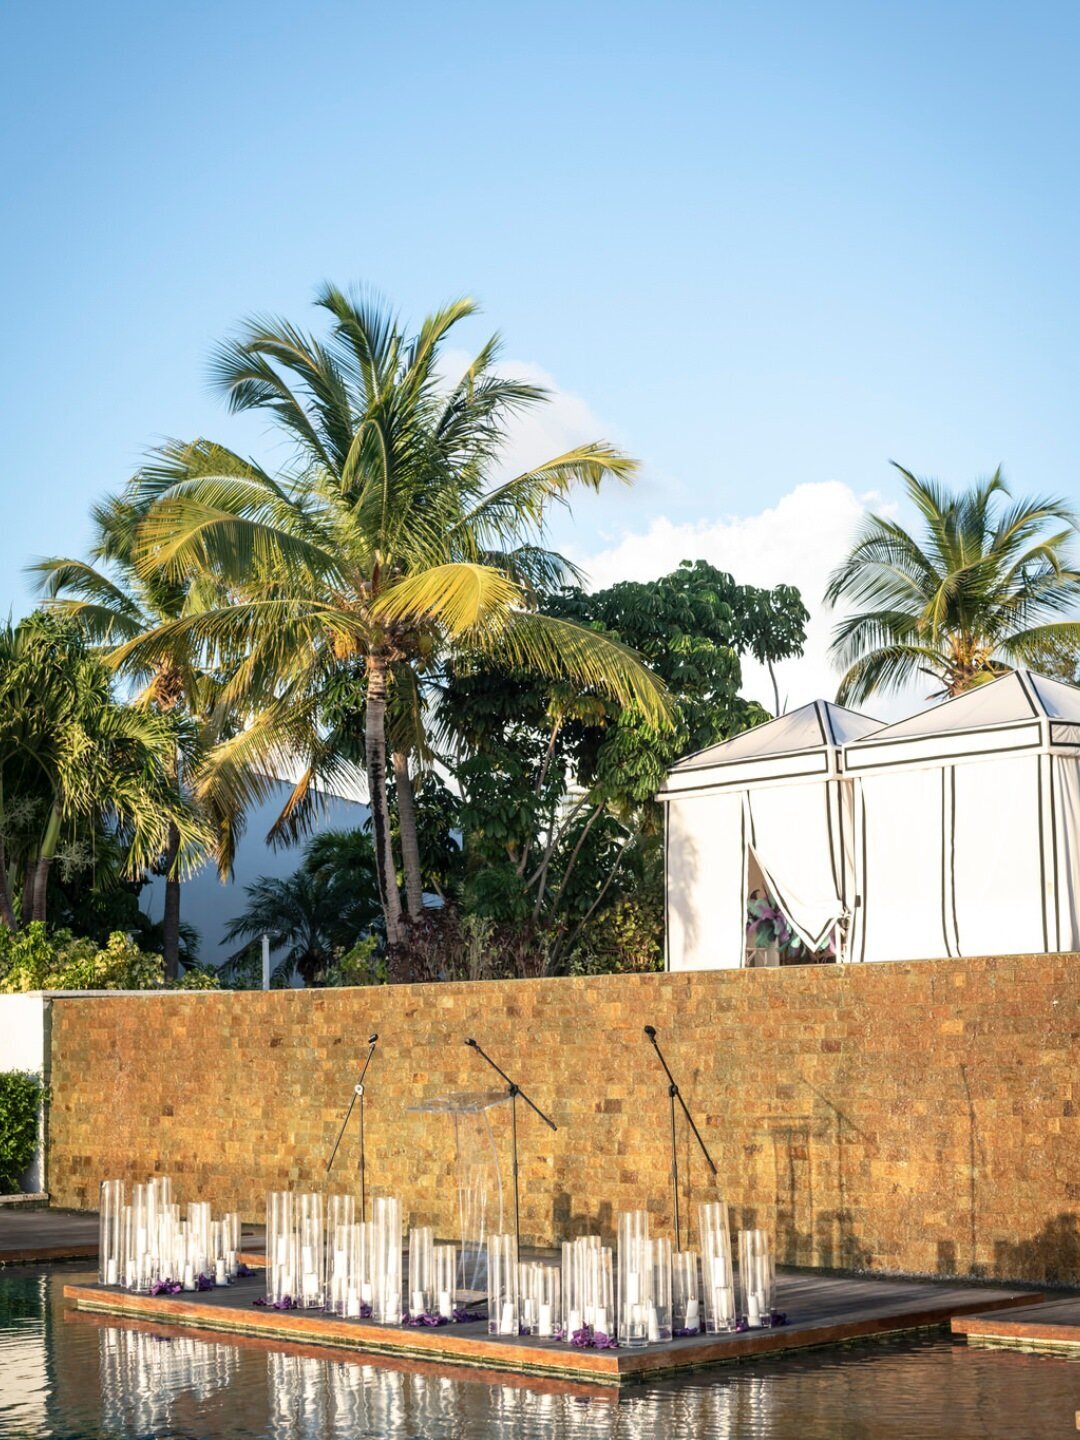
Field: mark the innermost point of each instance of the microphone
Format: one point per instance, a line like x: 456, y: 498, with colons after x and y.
x: 372, y: 1039
x: 650, y: 1030
x: 472, y: 1043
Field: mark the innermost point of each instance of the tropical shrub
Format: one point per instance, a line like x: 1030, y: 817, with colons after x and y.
x: 21, y: 1096
x: 33, y: 959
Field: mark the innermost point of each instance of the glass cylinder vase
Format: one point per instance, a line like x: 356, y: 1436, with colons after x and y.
x: 386, y: 1257
x: 545, y: 1287
x: 421, y: 1292
x: 717, y: 1276
x: 685, y: 1296
x: 312, y: 1238
x: 635, y: 1278
x: 445, y: 1257
x: 230, y: 1222
x: 281, y: 1254
x: 756, y: 1277
x: 111, y: 1232
x: 144, y: 1266
x: 504, y: 1311
x: 660, y: 1314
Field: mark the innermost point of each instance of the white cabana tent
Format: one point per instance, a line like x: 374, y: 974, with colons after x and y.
x: 772, y: 799
x: 967, y: 826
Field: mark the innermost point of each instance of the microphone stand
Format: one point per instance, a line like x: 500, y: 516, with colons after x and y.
x: 675, y: 1094
x: 513, y: 1090
x: 358, y: 1094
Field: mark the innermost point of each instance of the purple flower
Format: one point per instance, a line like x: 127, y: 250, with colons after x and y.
x: 742, y: 1323
x: 365, y: 1310
x: 204, y: 1282
x: 243, y: 1270
x: 604, y: 1342
x: 423, y: 1319
x: 777, y: 1317
x: 285, y: 1303
x: 466, y: 1317
x: 581, y: 1338
x: 165, y: 1287
x: 682, y: 1333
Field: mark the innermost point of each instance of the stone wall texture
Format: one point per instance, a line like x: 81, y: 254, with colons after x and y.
x: 916, y: 1117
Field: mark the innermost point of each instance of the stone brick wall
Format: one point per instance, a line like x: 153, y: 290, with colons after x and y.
x: 904, y: 1117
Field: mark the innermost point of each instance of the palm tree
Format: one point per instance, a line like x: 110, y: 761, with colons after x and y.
x: 113, y: 601
x: 71, y: 754
x: 384, y: 544
x: 982, y: 590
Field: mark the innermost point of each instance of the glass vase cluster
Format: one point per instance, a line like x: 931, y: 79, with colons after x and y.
x: 540, y: 1291
x: 644, y: 1282
x: 145, y: 1241
x: 588, y: 1289
x: 504, y: 1301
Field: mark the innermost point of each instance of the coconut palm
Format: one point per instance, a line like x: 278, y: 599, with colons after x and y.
x: 113, y: 601
x: 71, y: 754
x: 385, y: 543
x: 988, y: 585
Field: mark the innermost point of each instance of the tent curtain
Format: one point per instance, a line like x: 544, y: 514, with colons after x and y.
x: 706, y: 883
x: 1067, y: 808
x: 796, y: 842
x: 997, y: 857
x: 901, y: 876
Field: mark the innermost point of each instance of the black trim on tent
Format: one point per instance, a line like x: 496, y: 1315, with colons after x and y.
x: 954, y: 755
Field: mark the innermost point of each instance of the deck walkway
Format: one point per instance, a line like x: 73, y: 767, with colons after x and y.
x: 1049, y: 1325
x: 822, y: 1310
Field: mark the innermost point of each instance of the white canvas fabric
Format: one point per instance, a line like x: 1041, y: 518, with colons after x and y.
x: 1067, y: 868
x: 900, y: 817
x: 995, y: 856
x: 706, y: 883
x: 790, y: 830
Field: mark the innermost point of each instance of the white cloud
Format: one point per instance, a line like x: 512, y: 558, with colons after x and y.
x: 797, y: 541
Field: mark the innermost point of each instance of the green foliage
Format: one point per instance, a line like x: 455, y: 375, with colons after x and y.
x: 318, y: 918
x: 196, y: 978
x: 627, y: 937
x: 361, y: 965
x: 21, y: 1096
x: 32, y: 959
x: 980, y: 590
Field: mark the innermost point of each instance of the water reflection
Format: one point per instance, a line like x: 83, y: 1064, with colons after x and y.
x: 146, y: 1377
x: 67, y: 1374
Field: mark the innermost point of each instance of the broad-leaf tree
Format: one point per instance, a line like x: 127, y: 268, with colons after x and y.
x: 987, y: 584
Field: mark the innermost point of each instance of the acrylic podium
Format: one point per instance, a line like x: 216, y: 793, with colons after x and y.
x: 479, y: 1178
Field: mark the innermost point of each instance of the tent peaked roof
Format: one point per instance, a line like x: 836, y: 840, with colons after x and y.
x: 819, y: 725
x: 1013, y: 698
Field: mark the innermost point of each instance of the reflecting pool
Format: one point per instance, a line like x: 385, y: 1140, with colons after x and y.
x: 65, y: 1375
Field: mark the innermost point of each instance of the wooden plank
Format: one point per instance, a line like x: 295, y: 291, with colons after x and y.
x: 826, y: 1311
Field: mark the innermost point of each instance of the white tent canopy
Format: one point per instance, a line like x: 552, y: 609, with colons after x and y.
x: 774, y: 793
x: 967, y: 825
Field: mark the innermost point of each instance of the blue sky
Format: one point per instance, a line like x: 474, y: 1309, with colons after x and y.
x: 765, y: 246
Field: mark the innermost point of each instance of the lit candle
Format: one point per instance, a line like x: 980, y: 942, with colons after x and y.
x: 600, y: 1319
x: 633, y: 1287
x: 366, y: 1292
x: 574, y: 1321
x: 446, y: 1304
x: 220, y: 1277
x: 507, y: 1321
x: 418, y: 1306
x: 654, y: 1325
x: 753, y: 1310
x: 111, y: 1271
x: 352, y: 1304
x: 311, y: 1285
x: 189, y: 1276
x: 693, y: 1320
x: 544, y: 1325
x: 719, y: 1271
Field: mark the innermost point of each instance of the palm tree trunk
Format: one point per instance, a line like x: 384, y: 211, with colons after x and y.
x: 7, y: 910
x: 375, y: 745
x: 410, y: 842
x: 40, y: 891
x: 171, y: 924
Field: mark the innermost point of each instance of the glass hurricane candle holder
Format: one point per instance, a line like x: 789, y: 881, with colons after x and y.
x: 340, y: 1212
x: 218, y: 1257
x: 660, y: 1321
x: 685, y: 1296
x: 421, y: 1270
x: 445, y: 1281
x: 281, y: 1255
x: 386, y: 1269
x: 111, y: 1232
x: 756, y: 1276
x: 144, y: 1275
x: 573, y: 1304
x: 230, y: 1222
x: 635, y: 1278
x: 504, y: 1311
x: 717, y: 1276
x: 311, y: 1235
x: 544, y: 1295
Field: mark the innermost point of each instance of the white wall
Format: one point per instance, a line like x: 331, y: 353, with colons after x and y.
x: 23, y: 1046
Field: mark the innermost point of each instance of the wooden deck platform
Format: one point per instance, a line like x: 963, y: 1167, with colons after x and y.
x: 822, y: 1310
x: 1048, y: 1325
